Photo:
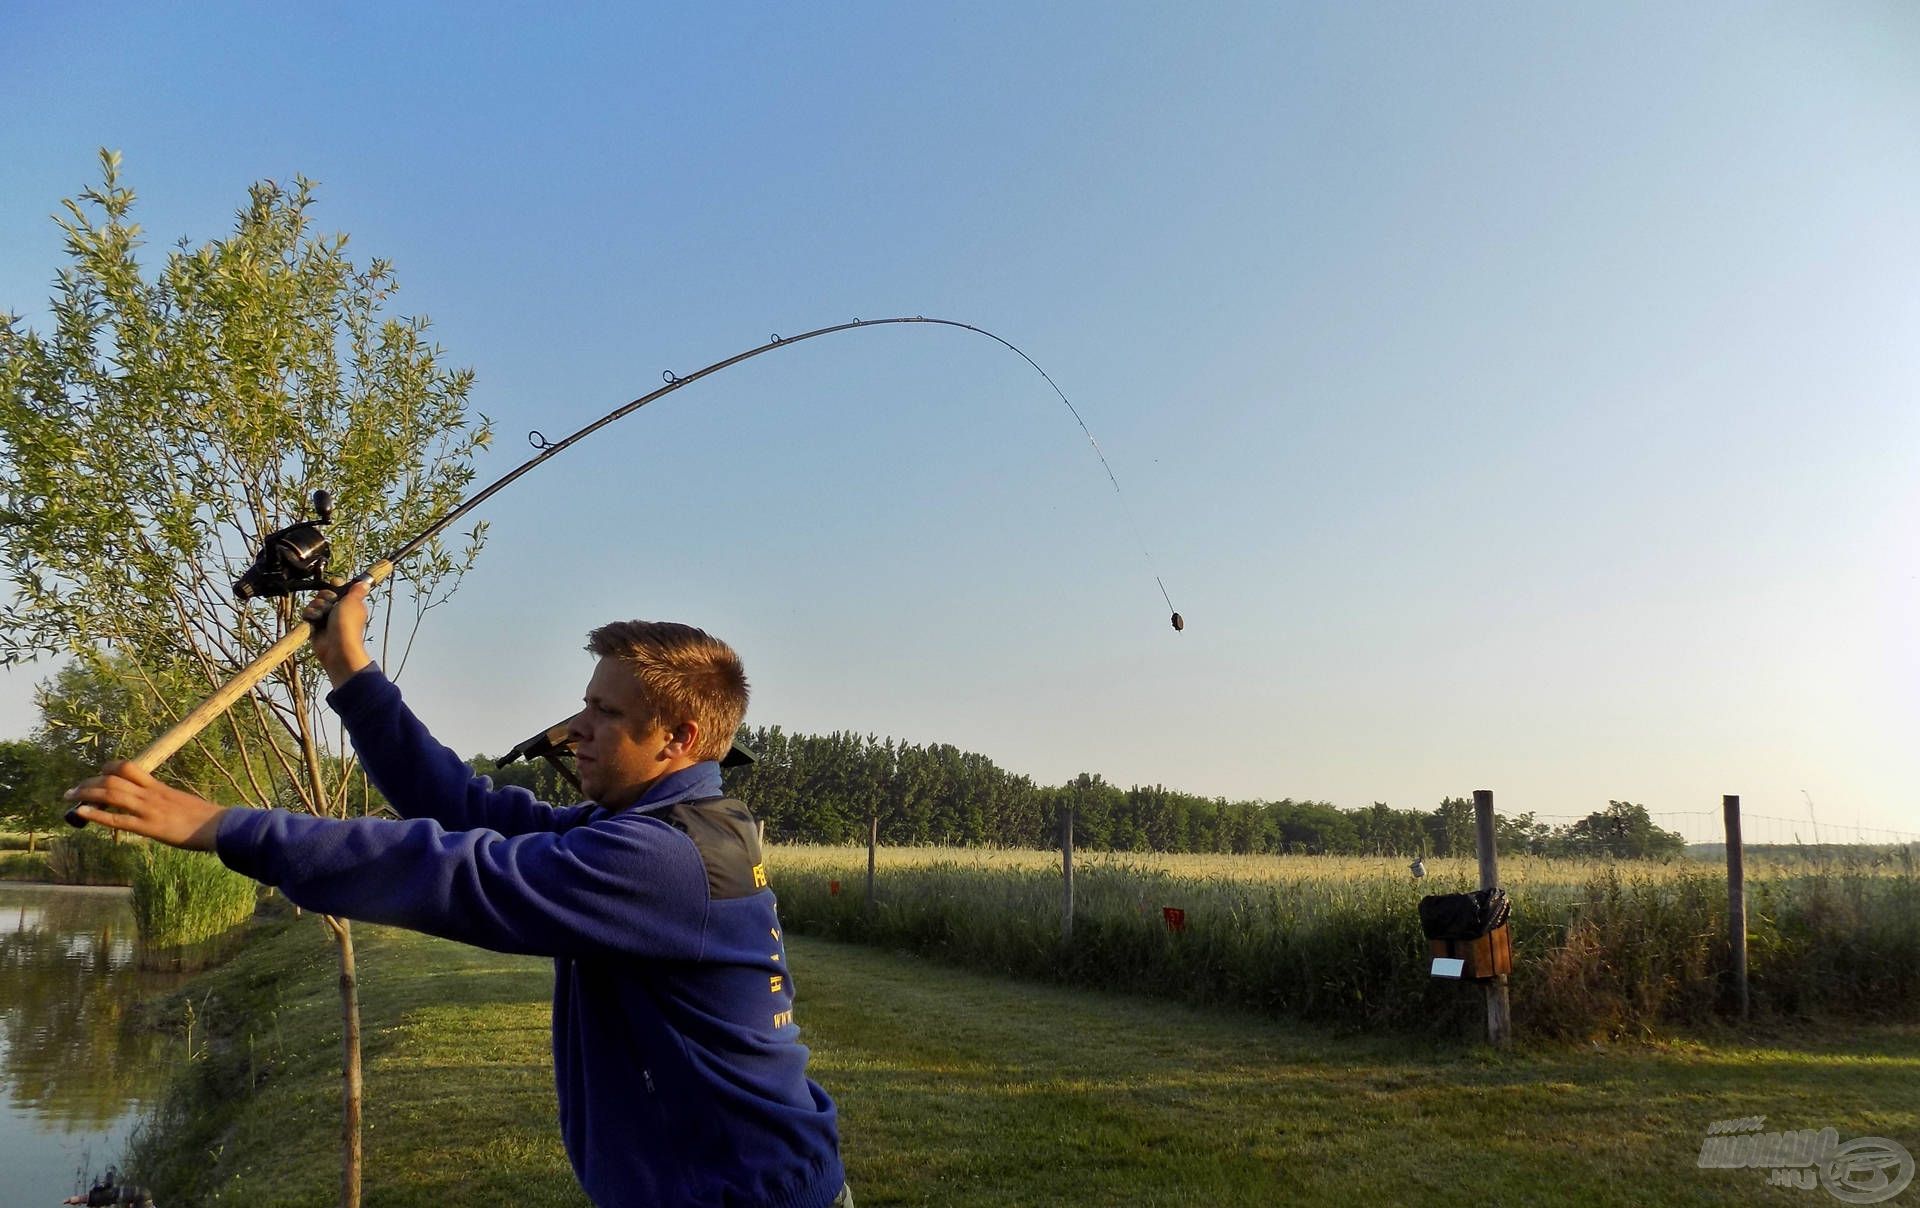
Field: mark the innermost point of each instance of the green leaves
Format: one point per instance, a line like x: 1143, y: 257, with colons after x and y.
x: 174, y: 413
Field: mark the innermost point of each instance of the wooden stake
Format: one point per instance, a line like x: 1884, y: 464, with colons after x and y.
x: 1499, y: 1007
x: 1066, y: 872
x: 1736, y: 902
x: 873, y: 845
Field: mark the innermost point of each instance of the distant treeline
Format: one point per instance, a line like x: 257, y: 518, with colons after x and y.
x: 823, y: 788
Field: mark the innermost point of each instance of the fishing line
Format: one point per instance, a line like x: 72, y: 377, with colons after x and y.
x: 674, y: 382
x: 1125, y: 510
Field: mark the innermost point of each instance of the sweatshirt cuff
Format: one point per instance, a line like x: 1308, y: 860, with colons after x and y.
x: 366, y: 688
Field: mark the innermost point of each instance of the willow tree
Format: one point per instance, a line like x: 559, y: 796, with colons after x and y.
x: 162, y: 424
x: 32, y: 774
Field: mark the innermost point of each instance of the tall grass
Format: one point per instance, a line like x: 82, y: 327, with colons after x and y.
x: 1599, y: 949
x: 186, y: 897
x: 90, y: 857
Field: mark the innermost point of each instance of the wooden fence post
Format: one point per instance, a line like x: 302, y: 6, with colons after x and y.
x: 1499, y: 1007
x: 873, y: 845
x: 1736, y: 901
x: 1066, y: 872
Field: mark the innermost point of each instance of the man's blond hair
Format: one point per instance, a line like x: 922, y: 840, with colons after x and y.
x: 686, y: 674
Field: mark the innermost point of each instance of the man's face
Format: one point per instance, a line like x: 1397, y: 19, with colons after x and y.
x: 620, y: 750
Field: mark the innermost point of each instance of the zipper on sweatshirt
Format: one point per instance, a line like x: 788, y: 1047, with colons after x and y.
x: 647, y: 1076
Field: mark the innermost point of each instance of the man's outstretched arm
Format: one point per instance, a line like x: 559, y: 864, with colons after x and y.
x: 636, y: 887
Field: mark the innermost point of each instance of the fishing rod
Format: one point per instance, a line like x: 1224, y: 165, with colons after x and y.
x: 294, y: 558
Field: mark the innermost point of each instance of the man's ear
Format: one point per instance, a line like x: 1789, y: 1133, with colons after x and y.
x: 683, y: 740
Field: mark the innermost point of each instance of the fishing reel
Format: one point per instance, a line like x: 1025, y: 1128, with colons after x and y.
x: 292, y: 559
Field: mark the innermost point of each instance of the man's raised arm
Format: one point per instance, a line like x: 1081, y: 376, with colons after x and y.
x: 419, y: 776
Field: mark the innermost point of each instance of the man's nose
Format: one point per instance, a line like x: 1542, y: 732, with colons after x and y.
x: 575, y: 732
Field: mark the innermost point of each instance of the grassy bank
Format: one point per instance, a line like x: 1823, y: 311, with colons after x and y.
x: 23, y: 865
x: 85, y: 857
x: 962, y: 1089
x: 1601, y: 950
x: 18, y: 863
x: 459, y: 1098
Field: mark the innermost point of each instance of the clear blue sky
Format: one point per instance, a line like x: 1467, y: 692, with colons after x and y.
x: 1511, y: 398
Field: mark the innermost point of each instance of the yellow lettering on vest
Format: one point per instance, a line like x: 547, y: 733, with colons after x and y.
x: 759, y: 876
x: 783, y: 1019
x: 775, y: 982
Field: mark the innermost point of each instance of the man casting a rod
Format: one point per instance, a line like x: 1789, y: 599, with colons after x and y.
x: 681, y: 1076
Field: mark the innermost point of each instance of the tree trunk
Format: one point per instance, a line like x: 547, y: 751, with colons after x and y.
x: 349, y: 1065
x: 342, y: 930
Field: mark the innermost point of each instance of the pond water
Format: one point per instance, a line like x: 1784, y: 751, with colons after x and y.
x: 73, y: 1075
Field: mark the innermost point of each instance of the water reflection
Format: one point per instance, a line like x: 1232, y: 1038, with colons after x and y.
x: 72, y: 1072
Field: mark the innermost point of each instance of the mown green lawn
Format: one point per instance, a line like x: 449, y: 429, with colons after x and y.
x: 966, y: 1090
x: 960, y: 1089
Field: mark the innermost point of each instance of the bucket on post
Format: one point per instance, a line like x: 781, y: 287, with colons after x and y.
x: 1468, y: 933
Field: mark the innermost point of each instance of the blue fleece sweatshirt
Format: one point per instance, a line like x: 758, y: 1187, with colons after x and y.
x: 682, y: 1079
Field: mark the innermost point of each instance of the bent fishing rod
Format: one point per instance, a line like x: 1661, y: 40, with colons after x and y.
x: 294, y: 558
